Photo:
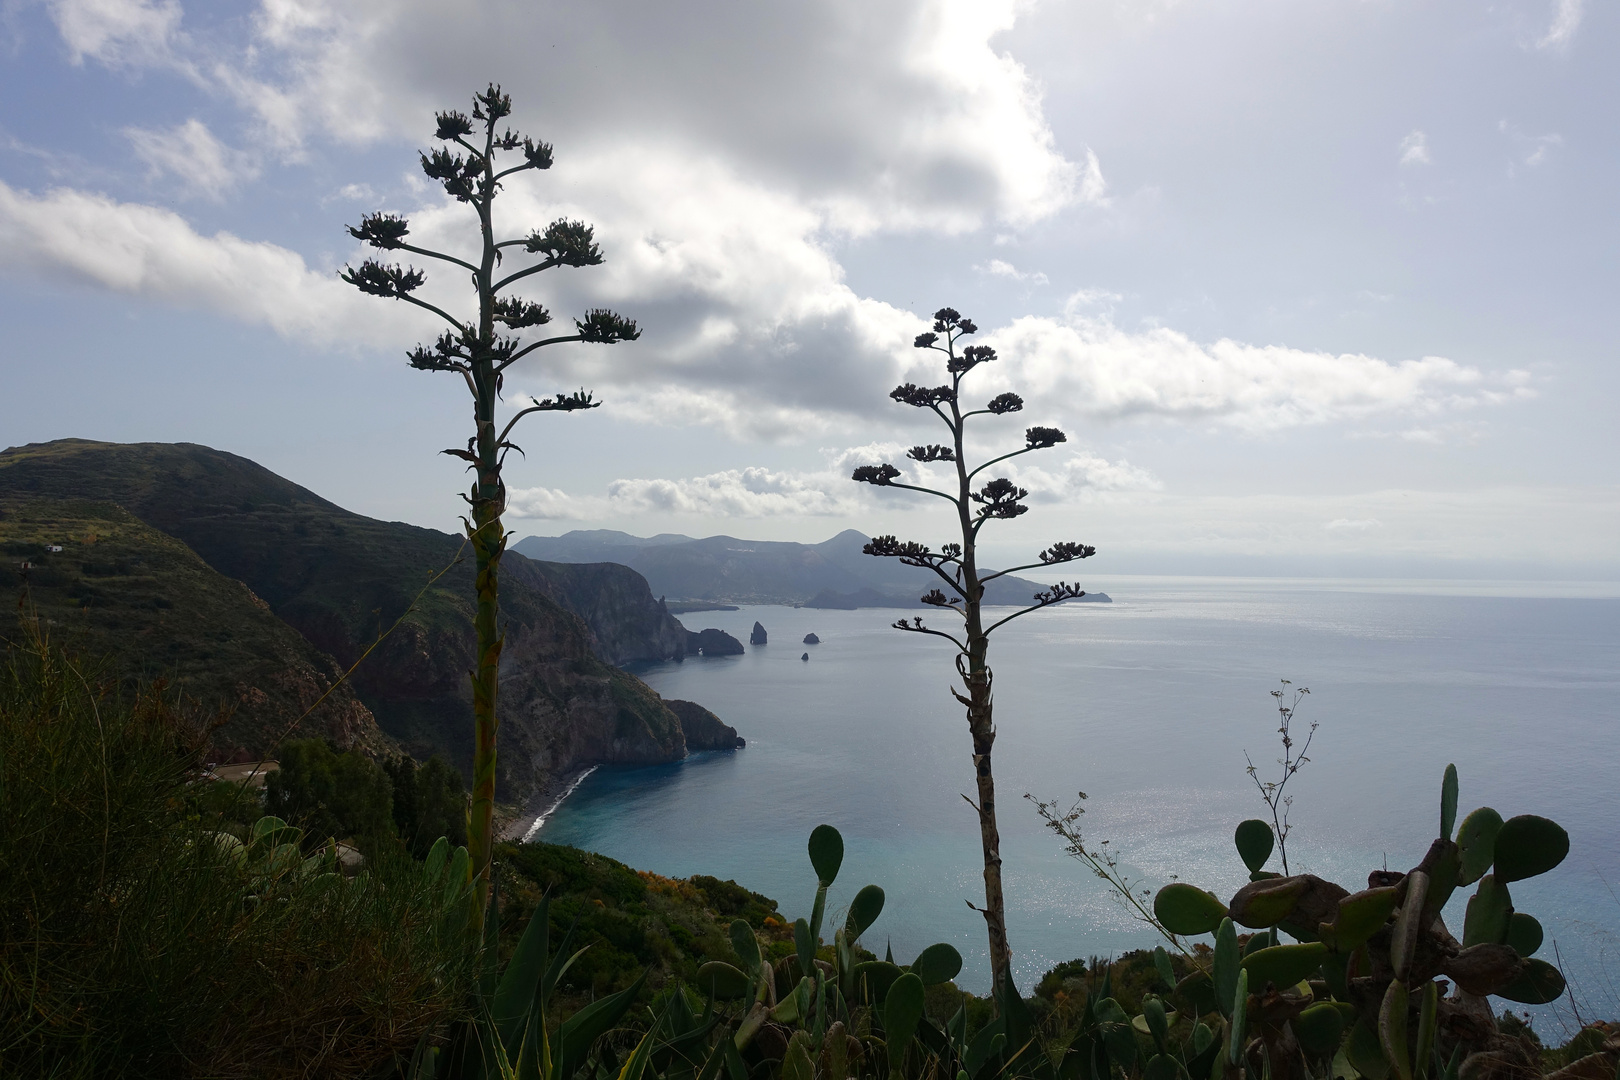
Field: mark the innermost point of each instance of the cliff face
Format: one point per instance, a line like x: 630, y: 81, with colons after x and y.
x: 627, y: 624
x: 339, y: 579
x: 703, y: 729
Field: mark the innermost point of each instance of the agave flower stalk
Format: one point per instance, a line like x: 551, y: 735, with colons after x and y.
x: 477, y: 156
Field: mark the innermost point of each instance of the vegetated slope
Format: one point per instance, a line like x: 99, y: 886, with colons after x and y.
x: 340, y: 579
x: 835, y: 572
x: 120, y: 589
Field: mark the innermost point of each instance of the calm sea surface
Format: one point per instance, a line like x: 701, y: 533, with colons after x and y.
x: 1147, y: 705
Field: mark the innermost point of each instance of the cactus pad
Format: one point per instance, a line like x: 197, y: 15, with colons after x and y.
x: 1360, y: 917
x: 721, y: 981
x: 937, y: 964
x: 1254, y: 841
x: 1227, y: 966
x: 902, y: 1011
x: 1524, y: 934
x: 1187, y: 910
x: 1283, y: 965
x: 863, y: 912
x: 1448, y: 802
x: 745, y: 944
x: 1476, y: 841
x: 1528, y: 845
x: 826, y: 852
x: 1319, y: 1028
x: 1539, y: 985
x: 1489, y: 909
x: 1392, y: 1029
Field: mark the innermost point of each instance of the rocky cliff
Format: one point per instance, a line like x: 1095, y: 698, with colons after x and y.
x: 340, y: 579
x: 703, y: 729
x: 627, y: 624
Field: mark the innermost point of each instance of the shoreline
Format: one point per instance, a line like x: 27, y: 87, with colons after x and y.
x: 542, y: 805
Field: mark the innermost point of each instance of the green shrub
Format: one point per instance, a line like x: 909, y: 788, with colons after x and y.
x: 134, y: 943
x: 331, y: 794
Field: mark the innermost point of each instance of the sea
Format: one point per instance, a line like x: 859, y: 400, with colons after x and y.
x: 1154, y: 706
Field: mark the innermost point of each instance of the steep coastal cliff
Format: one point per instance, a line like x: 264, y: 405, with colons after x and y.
x: 339, y: 579
x: 627, y: 624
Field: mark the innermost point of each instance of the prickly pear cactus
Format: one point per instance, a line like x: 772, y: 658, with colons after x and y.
x: 1373, y: 981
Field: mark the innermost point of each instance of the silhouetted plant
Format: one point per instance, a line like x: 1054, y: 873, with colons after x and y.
x: 480, y: 353
x: 957, y: 566
x: 1272, y: 790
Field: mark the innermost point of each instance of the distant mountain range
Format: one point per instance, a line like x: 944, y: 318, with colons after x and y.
x: 725, y: 570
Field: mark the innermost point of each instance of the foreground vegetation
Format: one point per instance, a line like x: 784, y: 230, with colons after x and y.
x: 137, y: 938
x: 152, y: 925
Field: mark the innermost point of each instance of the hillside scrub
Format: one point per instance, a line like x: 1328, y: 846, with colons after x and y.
x: 345, y: 795
x: 135, y: 942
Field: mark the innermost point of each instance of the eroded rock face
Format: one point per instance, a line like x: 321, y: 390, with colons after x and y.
x: 627, y: 623
x: 758, y: 636
x: 712, y: 642
x: 703, y: 729
x: 559, y: 714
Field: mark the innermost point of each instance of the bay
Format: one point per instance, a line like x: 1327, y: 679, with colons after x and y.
x: 1148, y: 705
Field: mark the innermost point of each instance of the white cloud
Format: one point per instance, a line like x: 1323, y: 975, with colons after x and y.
x: 1566, y: 20
x: 1352, y: 524
x: 118, y: 32
x: 1415, y: 149
x: 1002, y: 268
x: 829, y: 492
x: 148, y: 251
x: 192, y: 154
x: 879, y: 114
x: 1104, y: 372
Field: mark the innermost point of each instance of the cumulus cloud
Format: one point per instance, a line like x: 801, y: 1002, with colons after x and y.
x: 878, y: 114
x: 192, y: 155
x: 1099, y: 370
x: 714, y: 212
x: 148, y: 251
x: 1415, y: 149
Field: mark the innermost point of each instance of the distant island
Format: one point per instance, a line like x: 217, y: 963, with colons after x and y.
x: 718, y: 573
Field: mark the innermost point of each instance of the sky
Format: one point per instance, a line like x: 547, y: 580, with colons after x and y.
x: 1319, y: 288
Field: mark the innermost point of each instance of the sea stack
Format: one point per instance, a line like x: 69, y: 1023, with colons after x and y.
x: 758, y: 636
x: 811, y: 639
x: 806, y: 656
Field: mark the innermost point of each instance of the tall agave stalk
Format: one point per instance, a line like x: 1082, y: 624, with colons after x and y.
x: 958, y: 568
x: 481, y: 353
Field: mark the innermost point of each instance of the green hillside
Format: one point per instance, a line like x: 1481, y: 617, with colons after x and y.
x: 122, y: 590
x: 340, y: 578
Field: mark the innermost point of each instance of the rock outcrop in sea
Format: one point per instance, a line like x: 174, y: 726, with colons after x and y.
x: 712, y: 642
x: 758, y: 636
x: 703, y: 729
x: 811, y: 639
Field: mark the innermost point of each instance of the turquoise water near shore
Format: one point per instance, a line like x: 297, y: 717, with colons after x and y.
x: 1147, y: 705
